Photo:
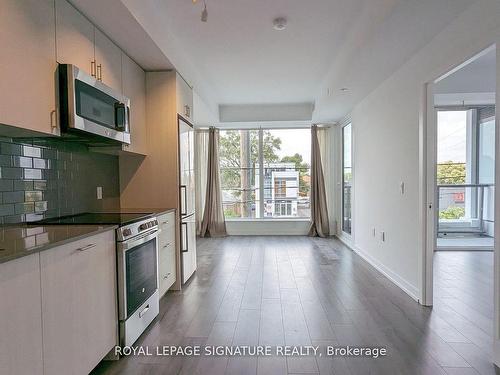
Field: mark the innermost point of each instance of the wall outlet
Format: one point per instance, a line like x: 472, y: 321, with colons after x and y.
x: 382, y: 236
x: 99, y: 192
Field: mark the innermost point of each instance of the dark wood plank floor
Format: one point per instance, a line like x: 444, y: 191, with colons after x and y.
x: 309, y: 291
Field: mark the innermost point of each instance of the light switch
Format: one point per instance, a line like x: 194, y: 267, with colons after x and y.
x: 99, y: 192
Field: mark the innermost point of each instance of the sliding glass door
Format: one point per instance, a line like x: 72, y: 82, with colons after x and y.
x: 347, y: 178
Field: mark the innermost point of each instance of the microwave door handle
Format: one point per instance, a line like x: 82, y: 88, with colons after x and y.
x: 122, y: 117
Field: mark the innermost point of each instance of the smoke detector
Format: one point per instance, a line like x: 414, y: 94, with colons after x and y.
x: 279, y: 23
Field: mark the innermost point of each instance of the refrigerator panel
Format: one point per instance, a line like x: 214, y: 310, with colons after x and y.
x: 188, y: 247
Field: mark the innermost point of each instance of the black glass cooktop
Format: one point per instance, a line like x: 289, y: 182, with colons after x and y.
x: 118, y: 218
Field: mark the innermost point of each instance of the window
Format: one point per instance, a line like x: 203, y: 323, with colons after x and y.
x: 265, y: 173
x: 346, y: 178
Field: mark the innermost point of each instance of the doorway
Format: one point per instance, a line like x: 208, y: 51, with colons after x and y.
x: 459, y: 164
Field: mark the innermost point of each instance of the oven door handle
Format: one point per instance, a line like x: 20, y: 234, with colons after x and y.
x: 129, y: 244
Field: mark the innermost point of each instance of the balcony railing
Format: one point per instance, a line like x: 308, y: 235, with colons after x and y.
x: 465, y: 208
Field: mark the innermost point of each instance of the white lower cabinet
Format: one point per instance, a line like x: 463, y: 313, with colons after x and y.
x: 166, y: 252
x: 79, y: 310
x: 20, y: 319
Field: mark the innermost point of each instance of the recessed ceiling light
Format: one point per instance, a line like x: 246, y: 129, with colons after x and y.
x: 279, y: 23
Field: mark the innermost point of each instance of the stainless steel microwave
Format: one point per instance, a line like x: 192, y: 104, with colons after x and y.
x: 91, y: 109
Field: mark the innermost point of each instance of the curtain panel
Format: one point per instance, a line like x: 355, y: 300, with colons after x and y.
x: 213, y: 223
x: 320, y: 225
x: 201, y: 158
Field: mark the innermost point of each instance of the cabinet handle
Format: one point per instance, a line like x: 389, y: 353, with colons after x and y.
x: 187, y: 110
x: 166, y: 276
x: 167, y: 245
x: 90, y: 246
x: 92, y: 68
x: 164, y: 222
x: 99, y: 72
x: 53, y: 119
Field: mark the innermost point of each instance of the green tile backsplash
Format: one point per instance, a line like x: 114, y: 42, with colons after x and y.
x: 42, y: 178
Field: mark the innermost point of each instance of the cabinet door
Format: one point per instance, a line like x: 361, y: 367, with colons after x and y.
x: 79, y: 306
x: 184, y: 98
x: 166, y: 261
x: 20, y: 318
x: 28, y: 65
x: 74, y: 38
x: 134, y: 88
x: 109, y: 61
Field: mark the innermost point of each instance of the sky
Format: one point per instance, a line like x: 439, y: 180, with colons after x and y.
x: 294, y: 141
x: 452, y: 127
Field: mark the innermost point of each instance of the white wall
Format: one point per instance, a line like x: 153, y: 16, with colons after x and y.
x: 386, y: 144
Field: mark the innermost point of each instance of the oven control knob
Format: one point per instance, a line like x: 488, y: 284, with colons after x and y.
x: 143, y: 226
x: 127, y: 232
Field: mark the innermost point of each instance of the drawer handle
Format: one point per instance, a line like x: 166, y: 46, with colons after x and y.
x: 166, y: 276
x: 143, y: 312
x: 167, y: 245
x: 90, y: 246
x: 165, y: 222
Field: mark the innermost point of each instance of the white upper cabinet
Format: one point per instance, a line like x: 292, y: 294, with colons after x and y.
x: 80, y: 43
x: 28, y: 65
x: 108, y: 58
x: 74, y: 38
x: 184, y: 98
x: 134, y: 88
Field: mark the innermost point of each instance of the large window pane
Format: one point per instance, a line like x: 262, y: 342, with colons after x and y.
x: 239, y: 154
x: 281, y: 183
x: 486, y: 153
x: 454, y: 162
x: 346, y: 178
x: 287, y: 182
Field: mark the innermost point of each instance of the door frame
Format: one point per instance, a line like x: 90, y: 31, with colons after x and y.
x: 427, y: 194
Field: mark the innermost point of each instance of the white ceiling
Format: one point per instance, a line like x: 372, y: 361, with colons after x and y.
x: 478, y: 76
x: 237, y: 58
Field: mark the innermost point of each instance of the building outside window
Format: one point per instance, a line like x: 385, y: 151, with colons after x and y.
x: 265, y: 173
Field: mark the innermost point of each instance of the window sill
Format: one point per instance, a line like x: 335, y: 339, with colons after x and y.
x: 289, y: 220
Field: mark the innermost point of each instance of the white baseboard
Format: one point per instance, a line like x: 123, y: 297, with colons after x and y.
x: 397, y: 280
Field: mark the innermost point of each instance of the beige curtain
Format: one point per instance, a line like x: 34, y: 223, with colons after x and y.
x: 320, y: 225
x: 213, y: 223
x: 201, y: 157
x: 325, y: 140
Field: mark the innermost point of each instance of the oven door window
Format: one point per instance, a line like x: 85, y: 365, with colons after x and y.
x: 94, y: 105
x: 141, y: 274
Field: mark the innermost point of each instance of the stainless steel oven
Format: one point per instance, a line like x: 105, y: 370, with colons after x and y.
x: 138, y: 301
x: 90, y: 109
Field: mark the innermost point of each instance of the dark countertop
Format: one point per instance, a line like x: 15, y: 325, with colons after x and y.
x: 17, y: 241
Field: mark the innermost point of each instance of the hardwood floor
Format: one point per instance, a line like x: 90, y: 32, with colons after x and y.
x: 310, y: 291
